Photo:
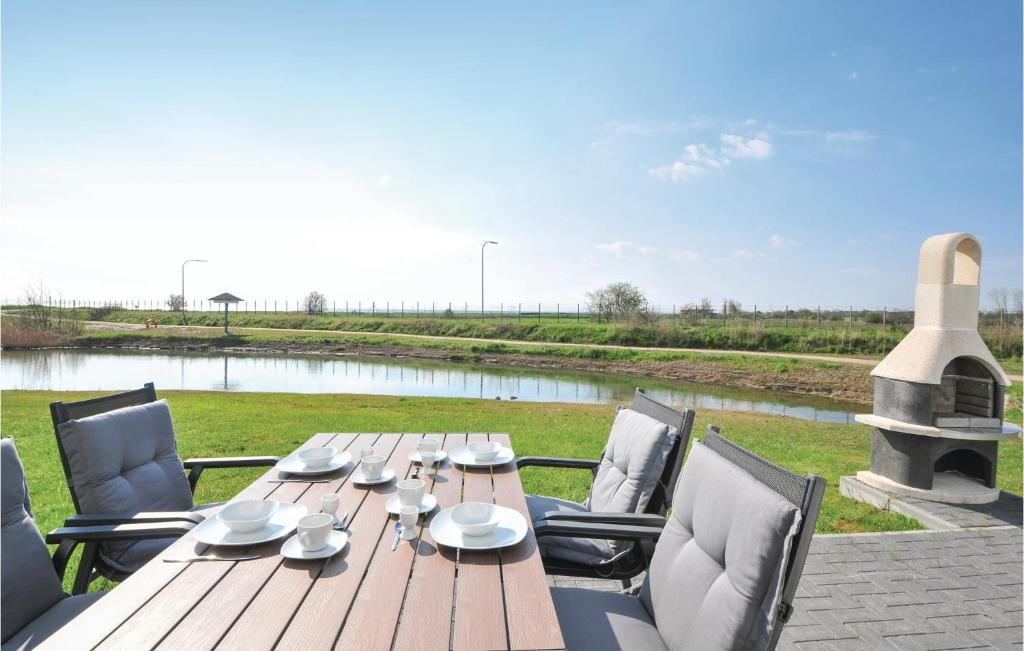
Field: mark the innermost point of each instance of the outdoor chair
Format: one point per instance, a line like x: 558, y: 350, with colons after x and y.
x: 122, y: 466
x: 34, y: 604
x: 725, y: 567
x: 632, y: 485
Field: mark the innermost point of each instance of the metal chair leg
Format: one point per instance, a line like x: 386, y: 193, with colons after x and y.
x: 85, y: 566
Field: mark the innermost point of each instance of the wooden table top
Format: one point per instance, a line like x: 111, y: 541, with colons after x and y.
x: 420, y: 596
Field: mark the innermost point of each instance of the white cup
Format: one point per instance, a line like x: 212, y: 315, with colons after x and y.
x: 427, y: 447
x: 314, y: 531
x: 408, y: 516
x: 373, y: 466
x: 410, y: 492
x: 365, y: 452
x: 329, y: 503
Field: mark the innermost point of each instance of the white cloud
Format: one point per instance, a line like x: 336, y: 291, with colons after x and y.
x: 619, y: 247
x: 779, y: 241
x: 849, y: 136
x: 383, y: 181
x: 853, y: 76
x: 698, y: 158
x: 740, y: 147
x: 687, y: 255
x: 746, y: 254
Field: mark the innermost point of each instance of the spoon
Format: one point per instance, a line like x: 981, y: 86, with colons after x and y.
x: 398, y: 534
x: 340, y: 524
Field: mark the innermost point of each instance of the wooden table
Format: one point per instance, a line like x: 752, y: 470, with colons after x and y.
x: 419, y: 597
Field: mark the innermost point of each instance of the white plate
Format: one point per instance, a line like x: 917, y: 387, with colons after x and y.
x: 385, y: 477
x: 439, y: 456
x: 426, y: 506
x: 510, y: 530
x: 293, y: 466
x: 212, y: 531
x: 464, y: 457
x: 335, y: 543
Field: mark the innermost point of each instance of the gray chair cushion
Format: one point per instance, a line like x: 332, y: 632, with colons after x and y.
x: 126, y: 461
x: 604, y: 621
x: 630, y: 466
x: 715, y: 579
x: 587, y: 551
x: 51, y: 621
x: 28, y: 582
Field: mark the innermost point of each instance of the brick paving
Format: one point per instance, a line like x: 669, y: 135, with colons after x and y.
x: 955, y: 589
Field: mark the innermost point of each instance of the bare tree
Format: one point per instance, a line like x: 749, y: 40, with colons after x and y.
x: 619, y: 301
x: 1000, y: 297
x: 314, y: 303
x: 1018, y: 303
x: 175, y: 302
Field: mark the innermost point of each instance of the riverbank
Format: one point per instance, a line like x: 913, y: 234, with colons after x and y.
x: 816, y: 376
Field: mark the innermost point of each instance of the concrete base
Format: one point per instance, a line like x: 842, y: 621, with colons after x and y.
x: 947, y: 487
x: 1007, y: 510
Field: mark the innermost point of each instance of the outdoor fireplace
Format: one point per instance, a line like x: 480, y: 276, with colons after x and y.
x: 938, y: 404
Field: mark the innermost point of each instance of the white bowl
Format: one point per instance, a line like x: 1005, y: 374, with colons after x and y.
x: 475, y: 518
x: 484, y: 451
x: 316, y: 457
x: 247, y: 515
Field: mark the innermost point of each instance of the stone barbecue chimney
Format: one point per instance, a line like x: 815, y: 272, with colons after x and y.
x: 938, y: 409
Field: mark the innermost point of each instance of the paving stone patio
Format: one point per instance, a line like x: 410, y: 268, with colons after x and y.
x: 955, y: 589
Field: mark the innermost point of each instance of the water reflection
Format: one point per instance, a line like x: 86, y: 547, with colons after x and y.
x: 114, y: 369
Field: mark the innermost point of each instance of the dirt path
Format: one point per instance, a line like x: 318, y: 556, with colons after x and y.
x: 103, y: 325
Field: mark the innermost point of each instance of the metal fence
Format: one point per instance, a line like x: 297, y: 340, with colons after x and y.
x: 727, y: 314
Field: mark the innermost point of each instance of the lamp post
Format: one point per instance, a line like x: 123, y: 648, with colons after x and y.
x: 482, y: 247
x: 184, y: 318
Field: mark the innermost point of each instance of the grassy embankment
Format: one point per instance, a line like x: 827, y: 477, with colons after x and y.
x: 226, y: 424
x: 833, y: 337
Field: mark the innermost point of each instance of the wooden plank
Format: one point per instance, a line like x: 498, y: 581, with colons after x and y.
x: 373, y: 617
x: 270, y: 610
x: 532, y: 621
x: 232, y: 598
x: 479, y: 601
x: 119, y: 605
x: 319, y: 620
x: 425, y: 622
x: 167, y: 608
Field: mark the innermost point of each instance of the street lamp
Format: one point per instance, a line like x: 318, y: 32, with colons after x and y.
x: 482, y: 276
x: 184, y: 319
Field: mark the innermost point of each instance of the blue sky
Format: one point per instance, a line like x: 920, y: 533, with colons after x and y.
x: 771, y: 152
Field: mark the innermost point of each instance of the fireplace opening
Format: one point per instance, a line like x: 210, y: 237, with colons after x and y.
x: 968, y: 396
x: 968, y: 463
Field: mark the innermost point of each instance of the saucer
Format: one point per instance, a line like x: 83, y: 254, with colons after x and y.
x: 212, y: 531
x: 292, y: 549
x: 463, y: 457
x: 385, y: 477
x: 511, y: 529
x: 439, y: 456
x: 293, y: 466
x: 393, y: 504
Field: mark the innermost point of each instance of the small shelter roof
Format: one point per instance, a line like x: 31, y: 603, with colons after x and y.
x: 225, y: 298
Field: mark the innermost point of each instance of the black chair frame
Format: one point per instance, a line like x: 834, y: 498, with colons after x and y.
x: 631, y: 563
x: 803, y: 492
x: 92, y: 563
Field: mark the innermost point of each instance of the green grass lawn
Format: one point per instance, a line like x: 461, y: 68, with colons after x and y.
x: 229, y: 424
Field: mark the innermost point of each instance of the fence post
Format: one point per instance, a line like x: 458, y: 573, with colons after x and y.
x: 755, y: 315
x: 520, y: 311
x: 851, y: 317
x: 465, y: 310
x: 501, y: 311
x: 787, y: 316
x: 558, y: 310
x: 538, y: 312
x: 819, y: 317
x: 883, y: 319
x: 577, y: 313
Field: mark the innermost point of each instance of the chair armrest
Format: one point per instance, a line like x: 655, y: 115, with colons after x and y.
x: 231, y: 462
x: 197, y: 466
x: 604, y: 531
x: 634, y: 519
x: 114, y: 532
x: 93, y: 519
x: 556, y: 462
